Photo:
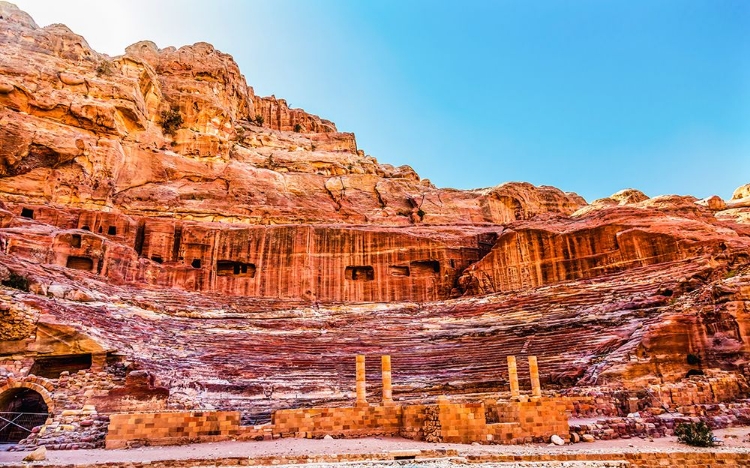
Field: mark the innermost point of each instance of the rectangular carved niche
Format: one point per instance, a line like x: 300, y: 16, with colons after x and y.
x: 360, y: 273
x: 80, y: 263
x: 425, y: 267
x: 231, y: 268
x: 397, y: 270
x: 51, y: 367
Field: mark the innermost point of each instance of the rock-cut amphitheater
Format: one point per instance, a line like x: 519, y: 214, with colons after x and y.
x: 184, y: 261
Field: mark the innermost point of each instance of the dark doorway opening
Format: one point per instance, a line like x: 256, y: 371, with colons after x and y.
x: 425, y: 267
x: 360, y: 273
x: 51, y: 367
x: 230, y: 268
x: 21, y: 410
x: 80, y: 263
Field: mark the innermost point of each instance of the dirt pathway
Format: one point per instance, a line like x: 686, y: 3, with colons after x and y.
x: 733, y: 438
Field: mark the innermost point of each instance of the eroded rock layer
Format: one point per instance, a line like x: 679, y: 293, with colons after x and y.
x: 160, y: 220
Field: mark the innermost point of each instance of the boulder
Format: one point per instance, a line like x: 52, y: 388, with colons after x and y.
x: 39, y: 454
x: 557, y: 440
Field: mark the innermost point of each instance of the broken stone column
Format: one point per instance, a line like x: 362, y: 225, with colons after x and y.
x: 385, y: 362
x: 536, y: 388
x: 633, y: 404
x: 361, y: 389
x: 513, y: 377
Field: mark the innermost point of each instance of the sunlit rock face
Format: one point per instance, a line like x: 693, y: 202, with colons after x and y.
x: 161, y: 213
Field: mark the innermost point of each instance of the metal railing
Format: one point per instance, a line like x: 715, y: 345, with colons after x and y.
x: 17, y: 426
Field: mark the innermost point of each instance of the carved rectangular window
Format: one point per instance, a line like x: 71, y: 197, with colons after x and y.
x: 75, y: 240
x: 231, y: 268
x: 396, y: 270
x: 27, y: 213
x: 360, y: 273
x: 112, y: 230
x: 425, y: 267
x: 80, y: 263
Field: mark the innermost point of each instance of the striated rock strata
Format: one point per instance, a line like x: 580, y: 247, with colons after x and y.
x: 163, y: 227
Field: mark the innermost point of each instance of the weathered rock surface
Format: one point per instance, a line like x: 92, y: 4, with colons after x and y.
x: 84, y: 130
x: 240, y: 252
x: 741, y: 192
x: 40, y: 454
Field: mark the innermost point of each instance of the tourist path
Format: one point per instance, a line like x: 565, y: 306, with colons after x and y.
x: 282, y: 451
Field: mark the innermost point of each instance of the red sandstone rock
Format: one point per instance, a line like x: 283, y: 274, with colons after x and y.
x: 239, y: 262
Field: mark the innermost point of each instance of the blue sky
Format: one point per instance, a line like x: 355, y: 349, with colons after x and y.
x: 588, y: 96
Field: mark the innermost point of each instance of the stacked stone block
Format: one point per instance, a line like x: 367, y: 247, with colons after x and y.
x: 462, y: 423
x: 70, y: 430
x: 127, y: 430
x: 337, y: 422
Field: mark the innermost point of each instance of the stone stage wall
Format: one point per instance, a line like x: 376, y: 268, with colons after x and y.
x: 533, y: 419
x: 172, y: 428
x: 521, y: 419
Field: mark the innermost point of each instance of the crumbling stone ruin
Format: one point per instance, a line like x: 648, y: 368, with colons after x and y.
x: 517, y: 420
x: 224, y: 269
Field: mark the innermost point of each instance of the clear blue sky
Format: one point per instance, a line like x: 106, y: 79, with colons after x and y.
x: 589, y: 96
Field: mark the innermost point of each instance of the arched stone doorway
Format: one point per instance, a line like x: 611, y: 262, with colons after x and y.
x: 21, y: 409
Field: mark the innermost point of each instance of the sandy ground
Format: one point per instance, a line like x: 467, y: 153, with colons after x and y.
x: 733, y: 440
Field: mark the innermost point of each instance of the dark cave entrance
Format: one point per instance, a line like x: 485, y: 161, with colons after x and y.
x: 21, y: 410
x: 51, y: 367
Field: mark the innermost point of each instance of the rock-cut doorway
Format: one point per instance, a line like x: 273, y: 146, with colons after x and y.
x: 21, y: 410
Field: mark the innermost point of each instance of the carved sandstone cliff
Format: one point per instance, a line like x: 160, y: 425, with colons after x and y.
x: 154, y: 210
x: 86, y: 130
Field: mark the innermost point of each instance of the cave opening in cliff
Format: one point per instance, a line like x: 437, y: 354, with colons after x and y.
x: 425, y: 267
x: 50, y: 367
x: 157, y: 259
x: 196, y: 263
x: 79, y: 263
x: 396, y: 270
x: 75, y: 240
x: 21, y: 410
x: 231, y: 268
x: 27, y: 213
x: 112, y: 231
x: 360, y: 273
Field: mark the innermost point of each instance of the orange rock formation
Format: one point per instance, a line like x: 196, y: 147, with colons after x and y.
x: 234, y: 247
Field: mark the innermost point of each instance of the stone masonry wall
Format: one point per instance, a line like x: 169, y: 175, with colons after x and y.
x: 687, y: 397
x: 338, y: 422
x: 538, y: 419
x: 134, y: 429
